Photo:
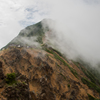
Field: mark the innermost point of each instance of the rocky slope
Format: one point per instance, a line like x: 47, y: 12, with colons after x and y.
x: 43, y: 74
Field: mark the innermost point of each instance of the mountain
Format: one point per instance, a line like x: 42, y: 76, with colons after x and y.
x: 31, y: 69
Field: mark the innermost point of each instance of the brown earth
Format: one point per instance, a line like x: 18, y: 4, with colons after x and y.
x: 45, y: 77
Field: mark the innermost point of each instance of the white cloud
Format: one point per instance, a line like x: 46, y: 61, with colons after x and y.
x: 78, y: 22
x: 14, y: 16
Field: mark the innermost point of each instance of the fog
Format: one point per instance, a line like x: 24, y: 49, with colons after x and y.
x: 77, y: 28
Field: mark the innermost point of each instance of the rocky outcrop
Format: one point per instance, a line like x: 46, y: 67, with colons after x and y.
x: 17, y: 92
x: 1, y: 72
x: 41, y: 76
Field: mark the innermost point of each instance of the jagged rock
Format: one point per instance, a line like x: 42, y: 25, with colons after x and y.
x: 51, y: 61
x: 25, y: 53
x: 48, y: 80
x: 73, y: 95
x: 2, y: 84
x: 47, y: 95
x: 43, y: 81
x: 63, y: 96
x: 46, y: 67
x: 61, y: 63
x: 0, y: 64
x: 43, y: 96
x: 15, y: 57
x: 2, y: 99
x: 20, y: 90
x: 38, y: 60
x: 33, y: 96
x: 1, y: 72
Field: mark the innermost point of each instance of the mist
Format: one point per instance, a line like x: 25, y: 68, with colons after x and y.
x: 77, y: 29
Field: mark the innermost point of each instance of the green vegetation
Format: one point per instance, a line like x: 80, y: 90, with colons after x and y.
x: 39, y: 39
x: 92, y: 98
x: 30, y: 31
x: 59, y: 58
x: 50, y: 55
x: 10, y: 78
x: 24, y: 83
x: 76, y: 63
x: 57, y: 52
x: 90, y: 76
x: 71, y: 69
x: 91, y: 72
x: 34, y: 30
x: 88, y: 73
x: 74, y: 72
x: 48, y: 50
x: 68, y: 85
x: 90, y: 84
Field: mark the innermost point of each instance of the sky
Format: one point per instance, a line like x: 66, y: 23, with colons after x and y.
x: 17, y: 14
x: 78, y: 23
x: 78, y: 28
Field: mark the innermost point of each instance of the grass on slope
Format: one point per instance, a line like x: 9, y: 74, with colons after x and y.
x: 88, y: 74
x: 92, y: 98
x: 90, y: 84
x: 71, y: 69
x: 60, y: 59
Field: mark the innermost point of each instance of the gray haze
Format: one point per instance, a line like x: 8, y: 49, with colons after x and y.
x: 77, y: 32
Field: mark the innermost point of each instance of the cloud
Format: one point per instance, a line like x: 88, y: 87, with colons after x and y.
x: 16, y: 15
x: 78, y: 28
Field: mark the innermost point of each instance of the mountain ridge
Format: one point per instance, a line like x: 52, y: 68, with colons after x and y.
x: 45, y: 73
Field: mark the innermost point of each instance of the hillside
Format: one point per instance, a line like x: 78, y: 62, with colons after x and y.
x: 28, y: 72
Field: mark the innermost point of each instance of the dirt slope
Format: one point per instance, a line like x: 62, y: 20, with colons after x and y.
x: 47, y: 76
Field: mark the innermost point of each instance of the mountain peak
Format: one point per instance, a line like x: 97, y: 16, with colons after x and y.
x: 30, y: 72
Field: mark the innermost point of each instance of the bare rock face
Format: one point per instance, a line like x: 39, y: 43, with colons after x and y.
x: 16, y: 92
x: 1, y: 72
x: 12, y: 57
x: 41, y: 77
x: 47, y: 95
x: 38, y: 60
x: 46, y: 68
x: 33, y: 96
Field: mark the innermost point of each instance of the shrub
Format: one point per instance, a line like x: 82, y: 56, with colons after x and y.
x: 10, y: 78
x: 39, y: 39
x: 92, y: 98
x: 68, y: 85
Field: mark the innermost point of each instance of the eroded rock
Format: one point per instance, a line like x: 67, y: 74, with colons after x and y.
x: 16, y: 92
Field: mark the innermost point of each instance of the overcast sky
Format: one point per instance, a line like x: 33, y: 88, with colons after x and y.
x: 17, y: 14
x: 78, y: 21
